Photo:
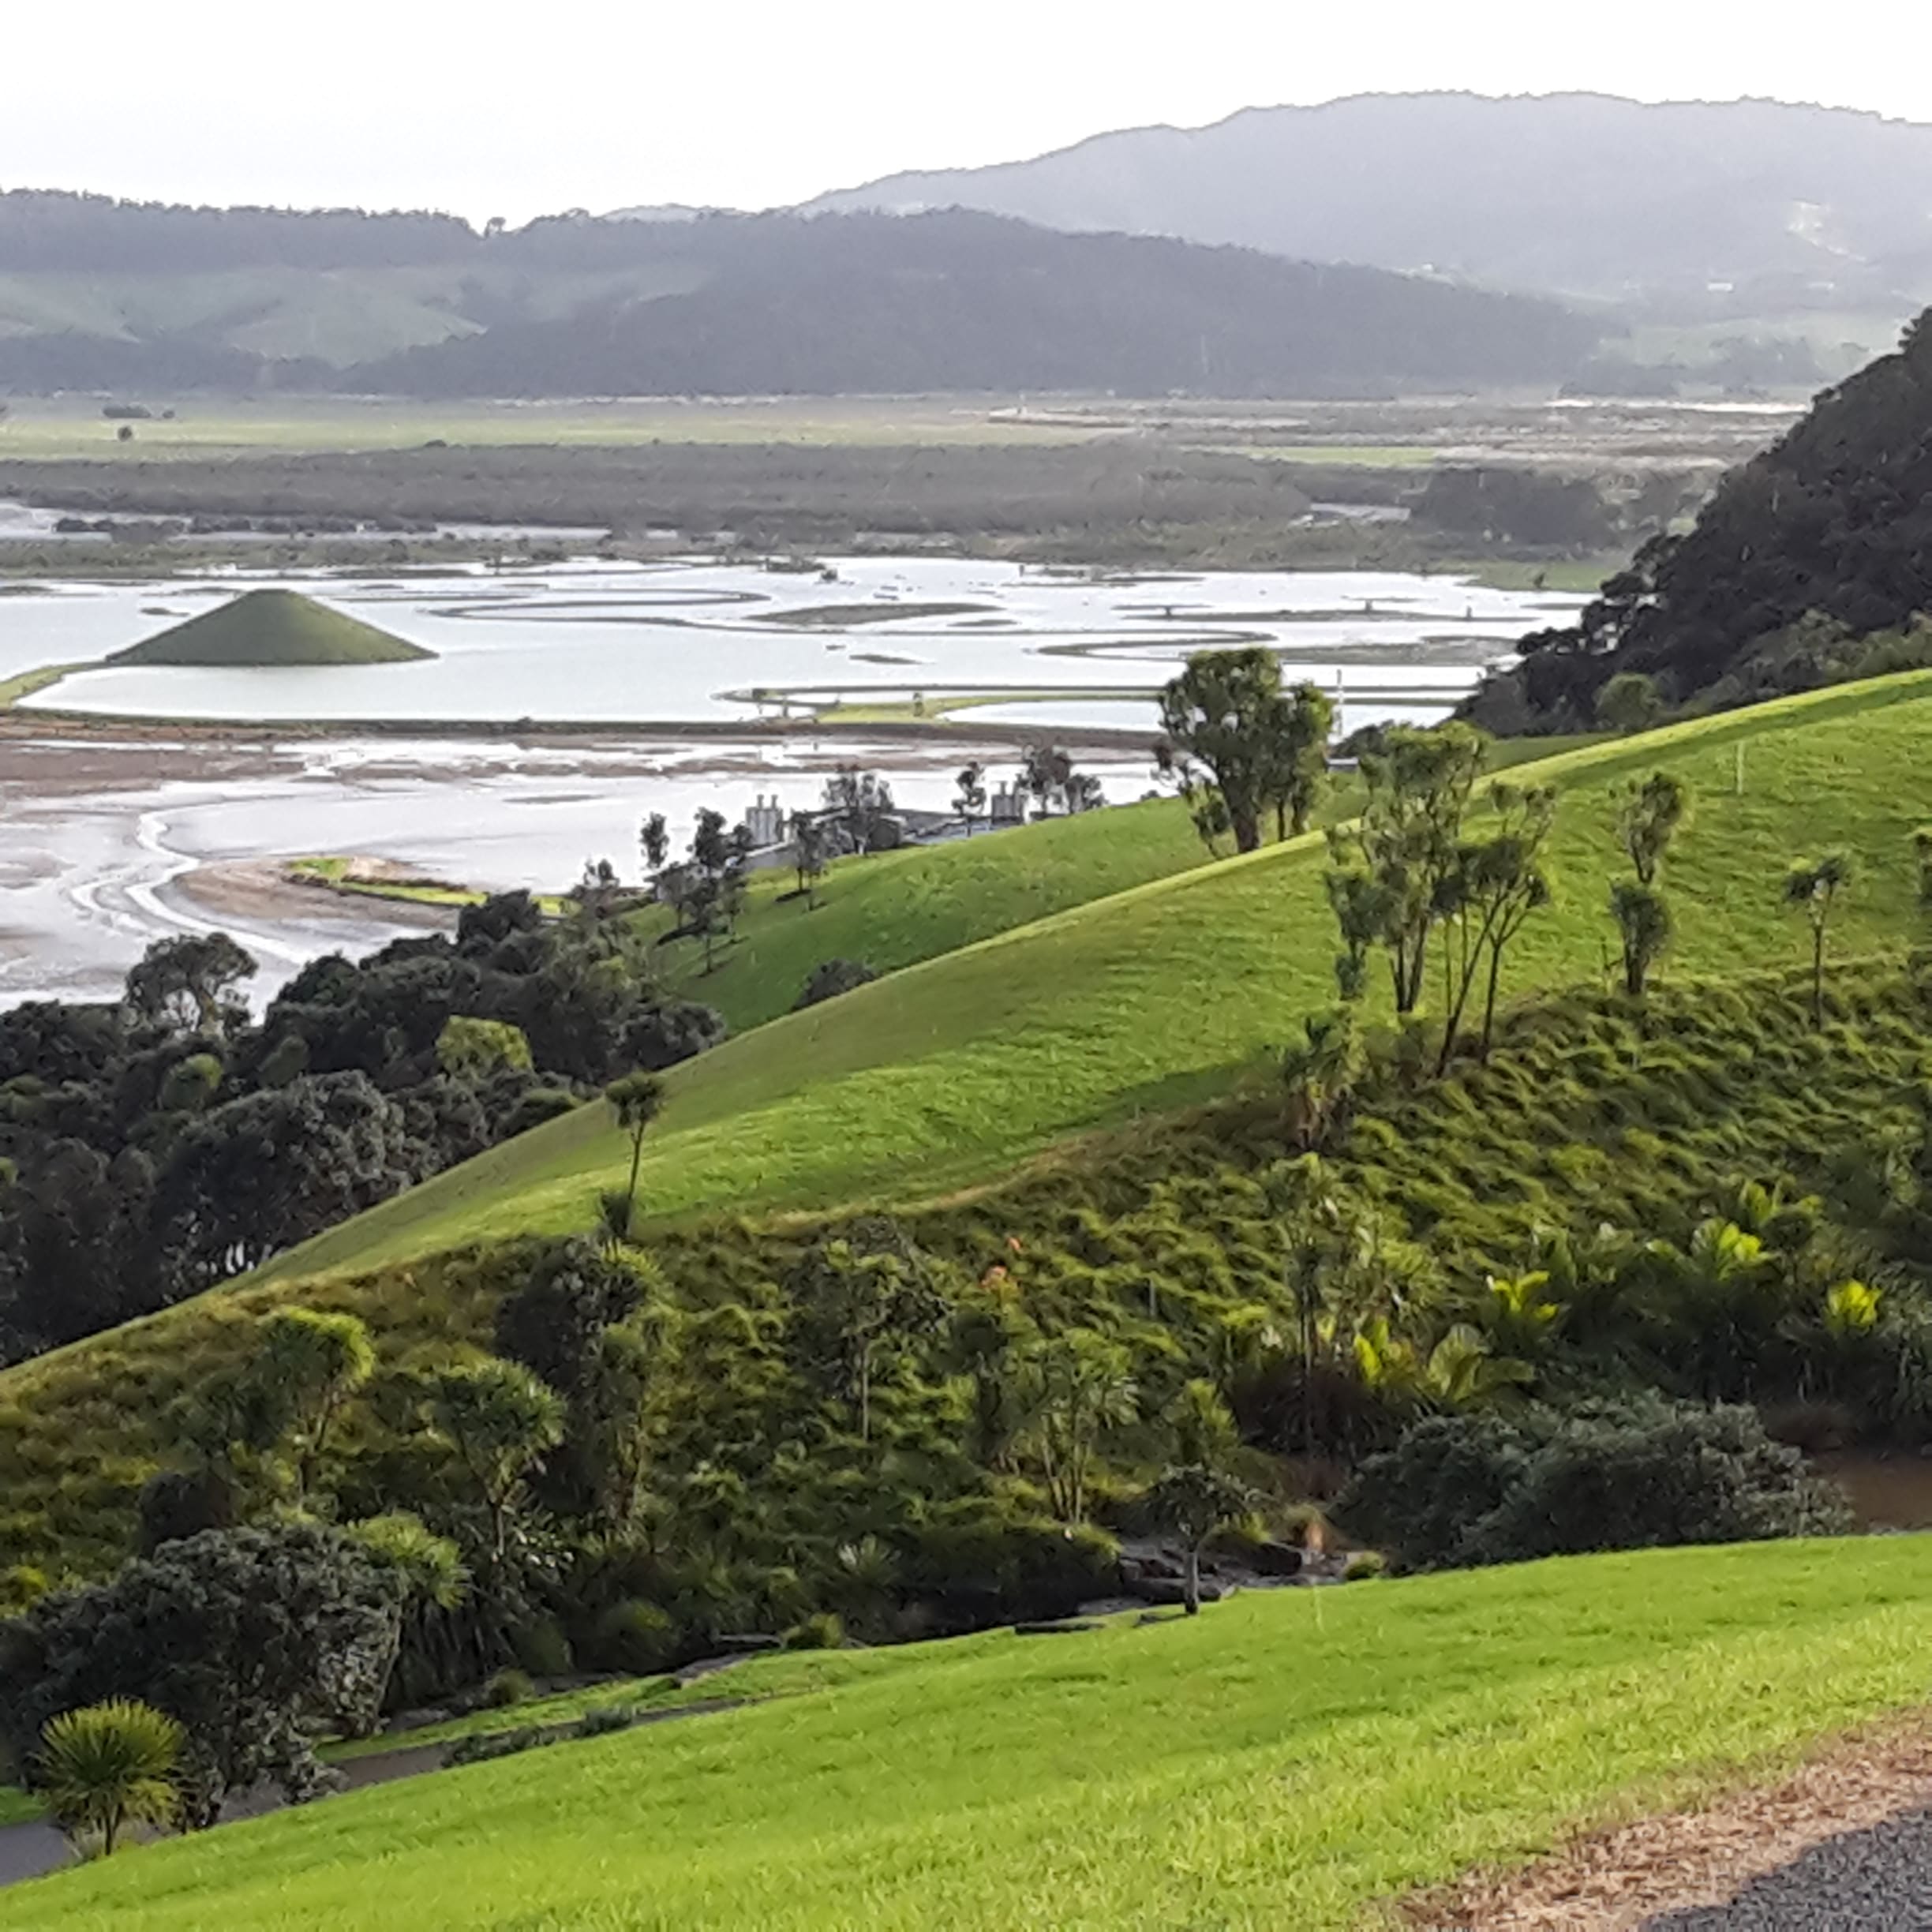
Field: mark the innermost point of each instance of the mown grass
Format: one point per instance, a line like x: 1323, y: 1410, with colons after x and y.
x: 16, y: 1807
x: 1286, y: 1759
x: 1163, y: 995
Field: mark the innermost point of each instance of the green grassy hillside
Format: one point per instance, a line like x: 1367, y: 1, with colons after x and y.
x: 1585, y: 1117
x: 943, y: 1074
x: 271, y: 627
x: 894, y: 909
x: 1286, y: 1759
x: 342, y: 316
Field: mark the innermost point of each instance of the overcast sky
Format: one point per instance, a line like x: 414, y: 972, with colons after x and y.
x: 486, y: 108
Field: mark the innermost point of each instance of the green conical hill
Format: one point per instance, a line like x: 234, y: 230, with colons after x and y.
x: 271, y: 627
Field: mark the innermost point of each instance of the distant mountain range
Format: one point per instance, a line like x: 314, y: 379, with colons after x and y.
x: 1527, y: 242
x: 1573, y: 194
x: 100, y: 295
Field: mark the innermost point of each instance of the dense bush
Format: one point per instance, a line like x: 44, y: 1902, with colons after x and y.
x: 1465, y: 1490
x: 155, y: 1147
x: 829, y: 980
x: 507, y: 1688
x: 250, y: 1638
x: 1824, y: 539
x: 637, y: 1638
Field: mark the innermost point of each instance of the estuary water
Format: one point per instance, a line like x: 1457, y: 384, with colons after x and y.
x: 108, y: 843
x: 697, y: 642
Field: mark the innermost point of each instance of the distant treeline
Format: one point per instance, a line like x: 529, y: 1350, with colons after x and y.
x: 44, y: 231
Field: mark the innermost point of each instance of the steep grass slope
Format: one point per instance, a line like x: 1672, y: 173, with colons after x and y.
x: 264, y: 628
x: 1285, y: 1760
x: 1586, y: 1116
x: 1160, y: 996
x: 894, y: 909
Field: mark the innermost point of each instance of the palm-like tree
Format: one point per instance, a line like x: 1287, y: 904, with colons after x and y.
x: 637, y: 1100
x: 1080, y: 1387
x: 1815, y: 886
x: 108, y: 1766
x: 1194, y: 1500
x: 316, y: 1361
x: 498, y: 1418
x: 1726, y: 1296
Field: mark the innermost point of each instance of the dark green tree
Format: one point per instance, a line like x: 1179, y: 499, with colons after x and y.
x: 859, y: 1307
x: 264, y: 1172
x: 860, y: 802
x: 192, y: 983
x: 1400, y: 861
x: 811, y: 851
x: 1645, y: 926
x: 986, y: 1341
x: 1629, y: 702
x: 1298, y: 772
x: 252, y: 1639
x: 654, y: 844
x: 1220, y: 723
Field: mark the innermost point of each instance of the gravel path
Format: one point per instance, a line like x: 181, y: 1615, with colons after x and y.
x: 1844, y: 1841
x: 1877, y: 1880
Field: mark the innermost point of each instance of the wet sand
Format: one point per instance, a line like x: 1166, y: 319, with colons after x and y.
x: 261, y: 891
x: 114, y: 836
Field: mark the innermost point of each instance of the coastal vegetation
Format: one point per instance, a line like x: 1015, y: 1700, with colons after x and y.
x: 157, y: 1147
x: 1489, y: 1162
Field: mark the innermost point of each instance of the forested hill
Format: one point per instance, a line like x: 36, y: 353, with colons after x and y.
x: 1577, y: 193
x: 957, y: 300
x: 1812, y: 563
x: 96, y: 295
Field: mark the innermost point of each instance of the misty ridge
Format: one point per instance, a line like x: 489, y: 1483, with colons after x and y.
x: 1369, y: 247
